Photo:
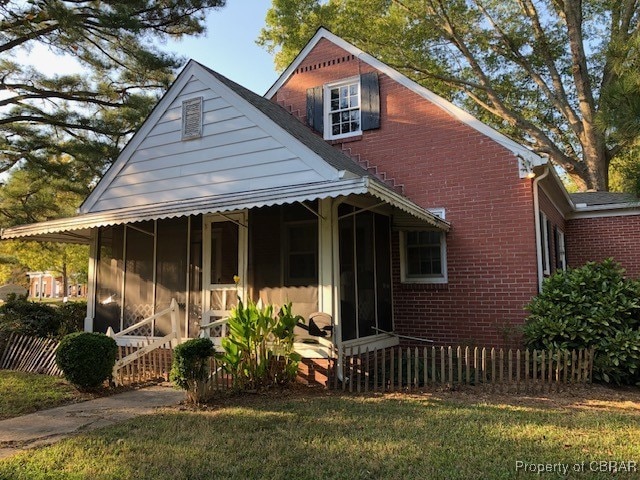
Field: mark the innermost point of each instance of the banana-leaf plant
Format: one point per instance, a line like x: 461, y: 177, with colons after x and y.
x: 258, y: 351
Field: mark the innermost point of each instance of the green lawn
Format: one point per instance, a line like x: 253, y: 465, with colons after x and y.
x: 22, y: 393
x: 326, y: 436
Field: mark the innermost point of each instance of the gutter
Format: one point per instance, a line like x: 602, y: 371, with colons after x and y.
x: 536, y: 219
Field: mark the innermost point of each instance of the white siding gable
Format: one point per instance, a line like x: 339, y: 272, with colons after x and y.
x: 239, y: 150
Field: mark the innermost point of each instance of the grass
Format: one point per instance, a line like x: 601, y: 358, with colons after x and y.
x: 22, y: 393
x: 453, y: 435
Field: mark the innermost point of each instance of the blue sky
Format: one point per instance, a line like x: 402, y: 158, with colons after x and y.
x: 229, y: 46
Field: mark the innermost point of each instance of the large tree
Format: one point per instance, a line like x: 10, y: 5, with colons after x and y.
x: 558, y: 75
x: 72, y: 126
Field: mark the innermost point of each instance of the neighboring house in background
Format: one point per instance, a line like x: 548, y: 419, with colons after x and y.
x: 349, y: 190
x: 50, y: 285
x: 44, y: 285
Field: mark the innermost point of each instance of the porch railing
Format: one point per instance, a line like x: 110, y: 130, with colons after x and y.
x: 173, y: 338
x: 218, y: 326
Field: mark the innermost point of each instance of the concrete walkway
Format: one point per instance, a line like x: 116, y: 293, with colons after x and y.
x: 49, y: 426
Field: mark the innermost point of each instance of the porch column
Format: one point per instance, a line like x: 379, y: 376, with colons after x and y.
x: 325, y: 261
x: 91, y: 281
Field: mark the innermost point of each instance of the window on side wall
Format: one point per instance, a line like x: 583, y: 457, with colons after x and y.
x: 301, y: 253
x: 545, y: 240
x: 424, y: 256
x: 560, y: 250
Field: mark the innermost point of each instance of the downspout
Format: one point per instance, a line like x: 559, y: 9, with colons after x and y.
x: 536, y: 219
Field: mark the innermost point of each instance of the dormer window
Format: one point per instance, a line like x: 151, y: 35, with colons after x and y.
x: 345, y: 108
x: 342, y: 107
x: 192, y: 118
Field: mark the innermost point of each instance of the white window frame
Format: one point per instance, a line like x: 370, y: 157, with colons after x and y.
x: 544, y: 238
x: 561, y: 250
x: 327, y: 108
x: 442, y: 278
x: 286, y: 253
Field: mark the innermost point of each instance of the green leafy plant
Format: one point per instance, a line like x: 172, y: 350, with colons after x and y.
x: 72, y: 315
x: 19, y: 315
x: 258, y: 352
x: 593, y: 306
x: 87, y: 359
x: 190, y: 367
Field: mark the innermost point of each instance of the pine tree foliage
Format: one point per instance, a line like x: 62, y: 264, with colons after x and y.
x: 72, y: 126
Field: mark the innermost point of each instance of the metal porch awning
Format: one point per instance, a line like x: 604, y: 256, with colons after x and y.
x: 78, y: 229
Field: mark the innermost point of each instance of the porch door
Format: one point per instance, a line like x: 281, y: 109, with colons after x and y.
x: 224, y: 257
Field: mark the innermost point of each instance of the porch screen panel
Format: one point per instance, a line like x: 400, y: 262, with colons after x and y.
x: 283, y: 258
x: 365, y: 273
x: 347, y: 274
x: 383, y: 272
x: 109, y: 279
x: 195, y: 275
x: 138, y: 281
x: 171, y: 271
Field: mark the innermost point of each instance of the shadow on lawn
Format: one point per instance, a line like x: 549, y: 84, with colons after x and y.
x: 311, y: 434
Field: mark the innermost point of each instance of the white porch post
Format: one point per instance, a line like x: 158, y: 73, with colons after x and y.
x: 325, y: 252
x: 92, y: 276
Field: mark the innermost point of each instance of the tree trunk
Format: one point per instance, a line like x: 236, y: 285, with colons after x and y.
x: 65, y: 280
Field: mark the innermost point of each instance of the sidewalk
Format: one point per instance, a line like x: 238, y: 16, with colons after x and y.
x: 49, y: 426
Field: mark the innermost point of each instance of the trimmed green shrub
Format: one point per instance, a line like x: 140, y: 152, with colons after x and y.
x: 22, y: 316
x: 72, y: 315
x: 190, y: 367
x: 87, y: 359
x: 593, y: 306
x: 19, y: 315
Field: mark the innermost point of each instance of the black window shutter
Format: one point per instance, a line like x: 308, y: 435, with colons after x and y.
x: 315, y: 115
x: 370, y: 95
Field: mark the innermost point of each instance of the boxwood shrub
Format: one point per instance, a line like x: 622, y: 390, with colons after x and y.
x: 87, y: 359
x: 593, y: 306
x: 190, y: 367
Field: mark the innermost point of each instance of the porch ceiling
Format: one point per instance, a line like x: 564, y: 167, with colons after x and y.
x: 77, y: 229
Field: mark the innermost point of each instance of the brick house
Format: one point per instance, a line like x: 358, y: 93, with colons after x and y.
x: 347, y: 189
x: 49, y: 284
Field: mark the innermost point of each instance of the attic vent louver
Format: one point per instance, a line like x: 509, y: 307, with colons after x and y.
x: 192, y: 118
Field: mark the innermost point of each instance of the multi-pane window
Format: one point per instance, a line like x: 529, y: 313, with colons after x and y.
x: 344, y: 109
x: 423, y: 257
x: 302, y: 253
x: 423, y: 254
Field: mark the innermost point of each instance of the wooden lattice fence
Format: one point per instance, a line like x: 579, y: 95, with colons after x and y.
x: 410, y: 369
x: 30, y: 354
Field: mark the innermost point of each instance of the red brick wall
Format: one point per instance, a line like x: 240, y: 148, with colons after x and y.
x: 444, y: 163
x: 594, y: 239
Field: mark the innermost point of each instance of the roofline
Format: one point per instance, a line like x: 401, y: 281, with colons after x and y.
x: 557, y: 182
x: 80, y: 225
x: 608, y: 210
x: 527, y: 158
